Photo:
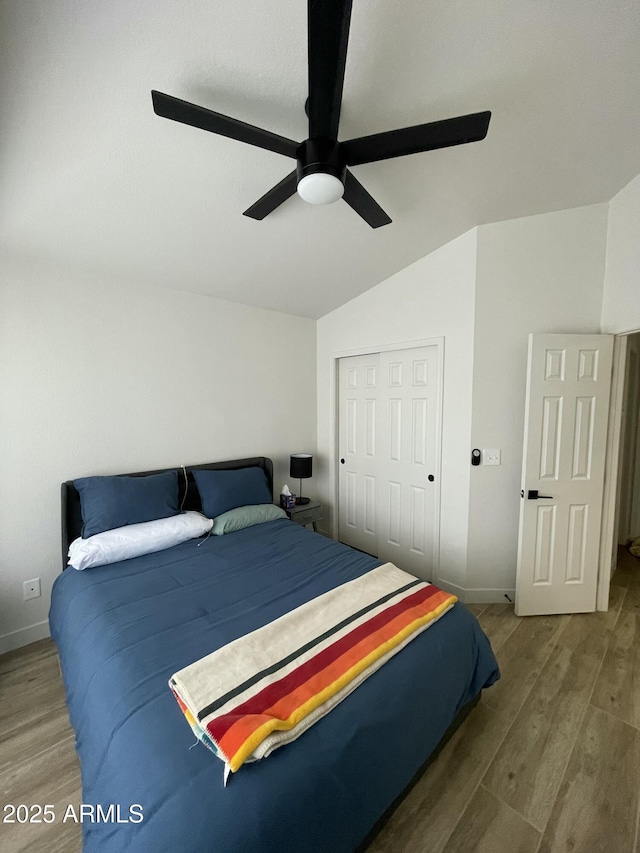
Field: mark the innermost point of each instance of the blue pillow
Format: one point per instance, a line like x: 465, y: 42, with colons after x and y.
x: 109, y: 502
x: 221, y: 491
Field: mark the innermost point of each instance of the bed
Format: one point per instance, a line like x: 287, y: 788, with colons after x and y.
x: 123, y: 629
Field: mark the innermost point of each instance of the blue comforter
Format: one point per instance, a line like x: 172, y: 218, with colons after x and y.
x: 123, y: 630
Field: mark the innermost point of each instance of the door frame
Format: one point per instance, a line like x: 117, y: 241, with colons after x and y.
x: 334, y: 390
x: 612, y: 478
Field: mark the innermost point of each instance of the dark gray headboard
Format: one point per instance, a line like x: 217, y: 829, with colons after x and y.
x: 72, y: 515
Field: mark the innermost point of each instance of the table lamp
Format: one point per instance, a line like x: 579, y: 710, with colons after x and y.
x: 300, y: 468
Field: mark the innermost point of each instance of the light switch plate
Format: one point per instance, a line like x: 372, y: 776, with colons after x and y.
x: 491, y: 456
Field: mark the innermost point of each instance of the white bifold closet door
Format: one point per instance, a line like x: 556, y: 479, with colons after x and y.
x: 388, y: 428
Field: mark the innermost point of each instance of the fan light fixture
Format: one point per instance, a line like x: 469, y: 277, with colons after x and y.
x: 323, y: 164
x: 320, y: 188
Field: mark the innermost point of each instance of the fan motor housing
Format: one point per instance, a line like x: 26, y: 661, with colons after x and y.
x: 320, y: 155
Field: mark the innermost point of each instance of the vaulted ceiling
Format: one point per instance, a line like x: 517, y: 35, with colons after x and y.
x: 91, y: 178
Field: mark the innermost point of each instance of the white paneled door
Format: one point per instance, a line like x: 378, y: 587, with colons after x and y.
x: 389, y: 421
x: 567, y: 409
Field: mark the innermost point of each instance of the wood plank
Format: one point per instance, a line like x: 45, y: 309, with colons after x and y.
x: 38, y: 762
x: 433, y: 807
x: 50, y: 777
x: 56, y: 837
x: 616, y: 598
x: 31, y: 780
x: 528, y: 768
x: 15, y: 660
x: 490, y: 826
x: 617, y: 689
x: 30, y: 687
x: 476, y: 609
x: 18, y: 668
x: 594, y: 629
x: 498, y: 621
x: 521, y: 661
x: 26, y: 742
x: 596, y: 805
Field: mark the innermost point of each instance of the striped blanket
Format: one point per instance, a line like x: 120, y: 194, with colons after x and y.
x: 266, y: 688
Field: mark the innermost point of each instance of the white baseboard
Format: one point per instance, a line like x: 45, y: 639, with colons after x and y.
x: 477, y: 596
x: 489, y: 596
x: 452, y: 588
x: 24, y: 636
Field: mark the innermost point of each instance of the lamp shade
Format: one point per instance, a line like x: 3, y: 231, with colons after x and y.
x: 301, y: 466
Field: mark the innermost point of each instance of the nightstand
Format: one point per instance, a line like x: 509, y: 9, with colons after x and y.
x: 306, y: 513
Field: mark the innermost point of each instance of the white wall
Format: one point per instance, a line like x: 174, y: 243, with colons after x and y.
x: 100, y: 377
x: 431, y: 298
x: 536, y: 274
x: 621, y: 301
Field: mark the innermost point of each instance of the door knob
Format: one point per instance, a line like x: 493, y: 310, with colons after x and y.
x: 431, y: 478
x: 342, y: 461
x: 532, y: 495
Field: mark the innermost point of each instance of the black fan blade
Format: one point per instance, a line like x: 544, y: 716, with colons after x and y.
x: 173, y: 108
x: 328, y: 22
x: 364, y: 204
x: 274, y: 198
x: 413, y: 140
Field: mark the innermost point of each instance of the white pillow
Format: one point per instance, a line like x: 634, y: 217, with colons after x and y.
x: 137, y: 539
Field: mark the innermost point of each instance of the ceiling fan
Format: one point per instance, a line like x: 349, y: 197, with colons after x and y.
x: 322, y: 175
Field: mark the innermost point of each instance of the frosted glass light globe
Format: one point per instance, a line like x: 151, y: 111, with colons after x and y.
x: 320, y: 188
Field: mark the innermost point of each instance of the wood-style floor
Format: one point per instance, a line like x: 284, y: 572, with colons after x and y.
x: 549, y: 761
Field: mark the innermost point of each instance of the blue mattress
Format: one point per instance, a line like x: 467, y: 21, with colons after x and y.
x: 123, y: 630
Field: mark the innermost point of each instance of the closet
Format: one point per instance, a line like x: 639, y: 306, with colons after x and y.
x: 389, y: 420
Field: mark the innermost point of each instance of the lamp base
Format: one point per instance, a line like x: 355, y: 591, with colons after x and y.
x: 302, y: 501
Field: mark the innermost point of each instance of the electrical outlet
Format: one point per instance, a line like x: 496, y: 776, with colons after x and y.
x: 31, y: 589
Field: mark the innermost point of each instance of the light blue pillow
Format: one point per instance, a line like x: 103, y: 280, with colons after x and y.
x: 245, y: 516
x: 110, y: 502
x: 224, y: 490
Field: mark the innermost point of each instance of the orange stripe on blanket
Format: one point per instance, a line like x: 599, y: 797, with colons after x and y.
x: 248, y: 732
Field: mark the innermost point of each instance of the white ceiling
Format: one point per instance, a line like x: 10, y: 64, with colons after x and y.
x: 91, y: 178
